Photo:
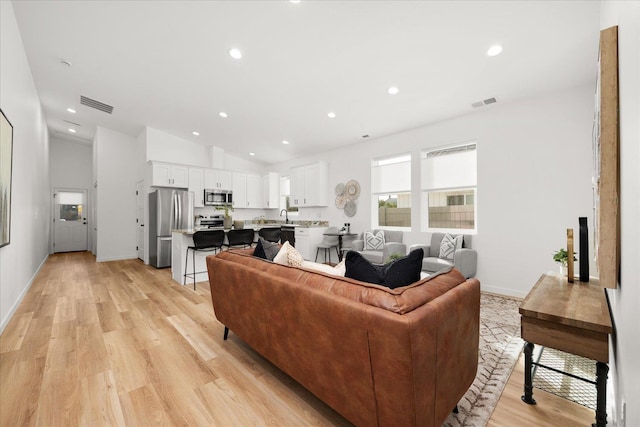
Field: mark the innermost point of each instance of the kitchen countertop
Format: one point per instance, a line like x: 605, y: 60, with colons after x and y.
x: 258, y: 227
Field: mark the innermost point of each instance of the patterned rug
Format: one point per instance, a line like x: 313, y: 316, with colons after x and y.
x: 500, y: 347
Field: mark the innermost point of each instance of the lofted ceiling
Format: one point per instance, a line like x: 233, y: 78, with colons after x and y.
x: 165, y: 64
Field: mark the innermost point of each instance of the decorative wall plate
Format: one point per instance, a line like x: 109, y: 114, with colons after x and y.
x: 340, y: 189
x: 352, y: 189
x: 340, y: 201
x: 350, y: 208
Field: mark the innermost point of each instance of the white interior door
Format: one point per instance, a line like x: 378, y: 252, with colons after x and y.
x: 70, y: 220
x: 140, y: 219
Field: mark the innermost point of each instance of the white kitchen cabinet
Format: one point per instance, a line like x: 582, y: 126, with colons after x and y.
x: 169, y: 175
x: 196, y: 184
x: 247, y: 191
x: 254, y: 192
x: 217, y: 179
x: 307, y: 241
x: 271, y: 190
x: 310, y: 185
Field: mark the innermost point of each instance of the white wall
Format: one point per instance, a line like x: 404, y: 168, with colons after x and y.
x: 534, y: 181
x: 30, y: 199
x: 116, y: 195
x: 625, y: 300
x: 164, y: 147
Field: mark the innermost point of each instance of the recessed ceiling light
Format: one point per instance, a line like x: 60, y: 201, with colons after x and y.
x: 72, y: 130
x: 223, y: 114
x: 71, y: 110
x: 393, y: 90
x: 196, y: 133
x: 285, y: 142
x: 235, y: 53
x: 252, y: 154
x: 331, y: 115
x: 294, y: 1
x: 494, y: 50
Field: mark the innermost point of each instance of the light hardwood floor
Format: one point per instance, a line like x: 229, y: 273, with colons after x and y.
x: 120, y: 343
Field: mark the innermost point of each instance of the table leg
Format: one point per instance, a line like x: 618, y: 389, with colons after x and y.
x: 528, y: 381
x: 339, y: 248
x: 602, y: 369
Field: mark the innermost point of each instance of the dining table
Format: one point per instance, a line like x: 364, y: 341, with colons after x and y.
x: 340, y: 234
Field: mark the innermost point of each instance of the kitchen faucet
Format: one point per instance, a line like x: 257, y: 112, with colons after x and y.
x: 286, y: 216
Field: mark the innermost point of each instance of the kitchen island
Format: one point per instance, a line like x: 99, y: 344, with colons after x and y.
x: 309, y: 233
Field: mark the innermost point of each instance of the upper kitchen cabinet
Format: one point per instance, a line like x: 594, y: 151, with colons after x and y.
x: 271, y: 190
x: 169, y: 175
x: 247, y: 191
x: 217, y: 179
x: 196, y: 184
x: 309, y: 185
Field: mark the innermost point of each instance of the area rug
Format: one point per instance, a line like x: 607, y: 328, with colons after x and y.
x: 578, y: 391
x: 500, y: 347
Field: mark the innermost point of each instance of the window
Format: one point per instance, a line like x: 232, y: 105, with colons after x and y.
x: 448, y: 179
x: 391, y: 191
x: 285, y: 191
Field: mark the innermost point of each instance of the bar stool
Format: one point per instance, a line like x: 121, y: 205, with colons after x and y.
x: 240, y: 238
x: 328, y: 243
x: 270, y: 234
x: 203, y: 241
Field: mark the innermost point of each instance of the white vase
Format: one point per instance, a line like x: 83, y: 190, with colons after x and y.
x: 564, y: 270
x: 227, y: 222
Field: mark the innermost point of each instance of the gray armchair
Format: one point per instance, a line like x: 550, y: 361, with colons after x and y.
x: 465, y: 259
x: 393, y: 245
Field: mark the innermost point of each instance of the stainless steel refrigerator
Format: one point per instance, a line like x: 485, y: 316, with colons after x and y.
x: 169, y: 209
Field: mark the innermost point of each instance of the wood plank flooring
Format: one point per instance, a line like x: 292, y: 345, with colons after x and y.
x: 120, y: 343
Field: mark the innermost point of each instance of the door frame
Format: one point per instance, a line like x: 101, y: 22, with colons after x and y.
x: 53, y: 215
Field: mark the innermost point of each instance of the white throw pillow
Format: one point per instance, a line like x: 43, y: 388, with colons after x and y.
x: 288, y: 255
x: 341, y: 268
x: 449, y: 245
x: 373, y: 242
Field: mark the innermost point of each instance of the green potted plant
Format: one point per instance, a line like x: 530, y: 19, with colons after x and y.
x: 227, y: 221
x: 562, y: 257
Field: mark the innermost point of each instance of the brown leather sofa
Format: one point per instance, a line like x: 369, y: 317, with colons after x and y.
x: 378, y: 356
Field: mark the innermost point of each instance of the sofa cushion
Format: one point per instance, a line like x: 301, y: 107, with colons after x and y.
x: 266, y: 249
x: 435, y: 264
x: 401, y: 272
x: 288, y: 255
x: 450, y: 243
x: 323, y: 268
x: 373, y: 256
x: 374, y: 241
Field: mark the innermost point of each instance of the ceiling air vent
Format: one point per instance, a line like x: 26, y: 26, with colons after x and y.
x: 96, y: 104
x: 483, y: 103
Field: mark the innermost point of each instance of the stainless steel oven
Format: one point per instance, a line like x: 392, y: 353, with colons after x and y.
x: 217, y: 197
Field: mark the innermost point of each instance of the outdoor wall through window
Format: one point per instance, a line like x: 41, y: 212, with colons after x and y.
x: 391, y: 191
x: 449, y: 182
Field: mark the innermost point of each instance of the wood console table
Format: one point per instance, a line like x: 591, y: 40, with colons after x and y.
x: 570, y: 317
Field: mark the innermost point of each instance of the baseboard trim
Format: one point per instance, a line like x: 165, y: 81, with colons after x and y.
x: 503, y: 291
x: 116, y: 258
x: 13, y: 310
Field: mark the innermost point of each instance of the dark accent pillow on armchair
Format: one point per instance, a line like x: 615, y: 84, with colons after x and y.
x: 401, y: 272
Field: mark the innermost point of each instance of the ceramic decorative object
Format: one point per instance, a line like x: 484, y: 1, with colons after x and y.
x: 352, y: 189
x: 350, y: 208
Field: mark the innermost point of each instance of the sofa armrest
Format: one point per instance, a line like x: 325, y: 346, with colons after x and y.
x: 357, y: 245
x: 466, y: 261
x: 425, y: 248
x: 393, y: 248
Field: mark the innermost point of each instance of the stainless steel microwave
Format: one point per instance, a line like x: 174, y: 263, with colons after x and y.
x: 218, y: 197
